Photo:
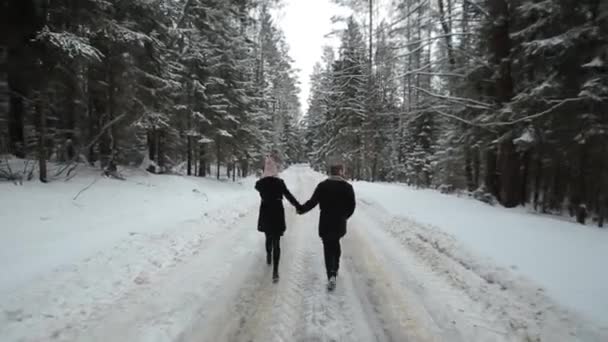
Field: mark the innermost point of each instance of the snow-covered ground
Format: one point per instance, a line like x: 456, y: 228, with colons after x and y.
x: 565, y: 259
x: 169, y: 258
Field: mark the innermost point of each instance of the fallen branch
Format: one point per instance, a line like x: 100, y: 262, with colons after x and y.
x: 9, y: 175
x: 85, y: 188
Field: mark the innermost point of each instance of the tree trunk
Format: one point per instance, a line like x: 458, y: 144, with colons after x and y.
x: 42, y: 132
x: 18, y: 88
x: 217, y: 156
x: 202, y: 164
x: 245, y: 168
x: 446, y: 25
x: 509, y: 163
x: 4, y: 93
x: 538, y: 180
x: 524, y: 196
x: 189, y: 147
x: 107, y: 143
x: 500, y: 46
x: 603, y: 212
x: 371, y: 36
x: 374, y: 167
x: 152, y: 145
x: 468, y: 170
x: 555, y: 199
x: 69, y: 121
x: 160, y: 156
x: 582, y: 173
x: 476, y: 167
x: 92, y: 122
x: 491, y: 179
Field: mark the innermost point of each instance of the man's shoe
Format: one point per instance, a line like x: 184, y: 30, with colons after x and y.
x: 275, y: 277
x: 331, y: 285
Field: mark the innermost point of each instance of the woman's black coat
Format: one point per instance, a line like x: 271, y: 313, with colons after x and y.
x: 272, y: 214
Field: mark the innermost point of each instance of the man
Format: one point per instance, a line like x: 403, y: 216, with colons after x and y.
x: 336, y: 199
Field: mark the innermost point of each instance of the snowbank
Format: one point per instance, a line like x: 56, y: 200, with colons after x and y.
x: 43, y: 228
x: 566, y: 259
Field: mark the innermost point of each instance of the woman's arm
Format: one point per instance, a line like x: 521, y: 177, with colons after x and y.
x: 290, y: 197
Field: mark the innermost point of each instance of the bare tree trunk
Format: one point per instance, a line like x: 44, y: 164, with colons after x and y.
x: 476, y: 167
x: 375, y: 167
x: 245, y: 168
x: 603, y: 211
x: 525, y: 178
x: 500, y: 47
x: 509, y: 174
x: 468, y: 170
x: 538, y: 180
x: 161, y: 154
x: 18, y: 88
x: 491, y: 179
x: 152, y: 145
x: 217, y: 156
x: 202, y: 164
x: 42, y: 132
x: 582, y: 173
x: 92, y: 123
x: 189, y: 147
x: 446, y: 24
x: 555, y: 200
x: 189, y: 153
x: 371, y: 36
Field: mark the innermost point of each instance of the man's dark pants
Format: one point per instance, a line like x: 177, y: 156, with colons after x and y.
x: 332, y: 252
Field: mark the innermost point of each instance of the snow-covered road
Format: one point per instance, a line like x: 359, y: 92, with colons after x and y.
x: 398, y: 282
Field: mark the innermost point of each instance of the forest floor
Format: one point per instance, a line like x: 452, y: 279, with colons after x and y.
x: 171, y: 258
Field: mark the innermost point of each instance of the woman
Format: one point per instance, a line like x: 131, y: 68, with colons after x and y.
x: 272, y: 214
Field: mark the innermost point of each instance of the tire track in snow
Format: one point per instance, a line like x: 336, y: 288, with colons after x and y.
x: 439, y: 299
x: 175, y: 300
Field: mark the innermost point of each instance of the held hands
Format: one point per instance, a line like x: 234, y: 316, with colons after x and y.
x: 300, y: 209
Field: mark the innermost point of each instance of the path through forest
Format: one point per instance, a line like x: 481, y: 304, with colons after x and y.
x: 390, y: 288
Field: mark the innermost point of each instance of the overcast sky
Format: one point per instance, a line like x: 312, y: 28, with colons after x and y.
x: 305, y: 23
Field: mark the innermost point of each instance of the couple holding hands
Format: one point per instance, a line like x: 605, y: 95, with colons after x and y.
x: 336, y: 200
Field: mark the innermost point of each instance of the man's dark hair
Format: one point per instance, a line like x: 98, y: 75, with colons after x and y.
x: 335, y: 170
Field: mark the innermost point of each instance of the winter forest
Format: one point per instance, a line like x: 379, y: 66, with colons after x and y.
x: 505, y: 100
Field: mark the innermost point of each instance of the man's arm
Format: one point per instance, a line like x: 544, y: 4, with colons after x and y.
x: 350, y: 201
x: 312, y: 202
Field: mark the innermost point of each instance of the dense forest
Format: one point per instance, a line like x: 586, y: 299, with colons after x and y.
x: 504, y: 99
x: 161, y: 83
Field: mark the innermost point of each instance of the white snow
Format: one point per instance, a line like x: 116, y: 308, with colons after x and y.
x: 113, y: 236
x: 597, y: 62
x: 526, y: 138
x: 173, y: 258
x: 564, y: 258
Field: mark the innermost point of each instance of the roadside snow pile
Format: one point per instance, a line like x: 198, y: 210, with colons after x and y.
x: 44, y: 230
x: 567, y: 260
